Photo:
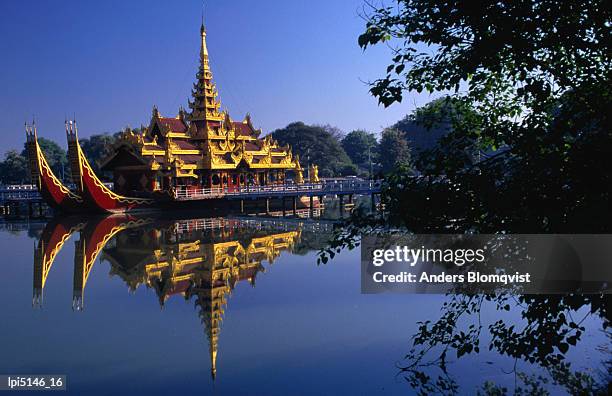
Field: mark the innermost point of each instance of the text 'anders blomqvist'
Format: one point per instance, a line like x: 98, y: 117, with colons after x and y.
x: 458, y: 257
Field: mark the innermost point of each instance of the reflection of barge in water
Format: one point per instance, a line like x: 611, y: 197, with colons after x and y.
x: 201, y: 260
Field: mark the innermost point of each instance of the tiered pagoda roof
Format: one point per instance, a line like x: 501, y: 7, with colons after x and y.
x: 203, y: 138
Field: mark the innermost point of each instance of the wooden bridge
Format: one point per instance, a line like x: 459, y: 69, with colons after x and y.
x: 328, y: 187
x: 16, y: 196
x: 24, y: 192
x: 17, y: 199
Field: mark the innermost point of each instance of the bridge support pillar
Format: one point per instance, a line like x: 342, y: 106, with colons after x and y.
x: 350, y: 198
x: 267, y: 206
x: 311, y: 205
x: 242, y: 206
x: 294, y: 206
x: 373, y: 202
x: 30, y: 209
x: 283, y: 206
x: 341, y: 203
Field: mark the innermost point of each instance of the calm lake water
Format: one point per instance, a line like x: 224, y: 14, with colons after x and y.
x: 127, y: 305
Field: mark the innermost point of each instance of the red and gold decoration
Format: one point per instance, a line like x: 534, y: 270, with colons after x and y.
x: 202, y: 152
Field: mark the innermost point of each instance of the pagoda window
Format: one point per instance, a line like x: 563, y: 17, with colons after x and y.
x: 215, y: 179
x: 241, y: 178
x: 234, y: 179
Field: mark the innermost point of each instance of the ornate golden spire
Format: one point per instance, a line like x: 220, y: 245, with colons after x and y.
x: 205, y: 106
x: 203, y: 48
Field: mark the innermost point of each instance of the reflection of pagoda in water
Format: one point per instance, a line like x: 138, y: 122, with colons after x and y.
x: 202, y: 260
x: 203, y: 264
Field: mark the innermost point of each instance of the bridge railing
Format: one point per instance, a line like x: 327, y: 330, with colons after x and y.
x: 331, y: 187
x: 189, y: 193
x: 23, y: 192
x: 30, y: 192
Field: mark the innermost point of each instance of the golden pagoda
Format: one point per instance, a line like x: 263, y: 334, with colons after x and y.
x: 203, y: 148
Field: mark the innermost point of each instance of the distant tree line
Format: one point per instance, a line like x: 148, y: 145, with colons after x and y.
x: 359, y: 152
x: 14, y: 168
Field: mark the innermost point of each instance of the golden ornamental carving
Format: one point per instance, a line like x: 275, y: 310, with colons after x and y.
x: 169, y: 157
x: 314, y: 173
x: 236, y: 157
x: 248, y: 158
x: 216, y: 160
x: 173, y: 146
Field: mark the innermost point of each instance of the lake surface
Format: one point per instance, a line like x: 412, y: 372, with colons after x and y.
x: 126, y: 305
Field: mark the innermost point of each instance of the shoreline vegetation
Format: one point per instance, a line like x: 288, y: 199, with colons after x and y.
x: 527, y: 150
x: 338, y: 153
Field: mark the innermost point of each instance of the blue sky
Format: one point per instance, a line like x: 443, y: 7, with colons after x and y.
x: 110, y: 62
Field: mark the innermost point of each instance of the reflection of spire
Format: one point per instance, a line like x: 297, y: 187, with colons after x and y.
x: 213, y: 342
x: 202, y: 261
x: 211, y: 298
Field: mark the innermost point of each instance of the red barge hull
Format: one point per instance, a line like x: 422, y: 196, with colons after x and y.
x: 93, y: 191
x: 51, y: 189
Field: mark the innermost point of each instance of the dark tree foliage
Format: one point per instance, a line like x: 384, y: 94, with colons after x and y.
x: 14, y: 169
x: 535, y: 81
x: 393, y: 150
x: 316, y: 145
x: 362, y: 148
x: 529, y: 151
x: 427, y: 125
x: 96, y: 148
x: 56, y: 157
